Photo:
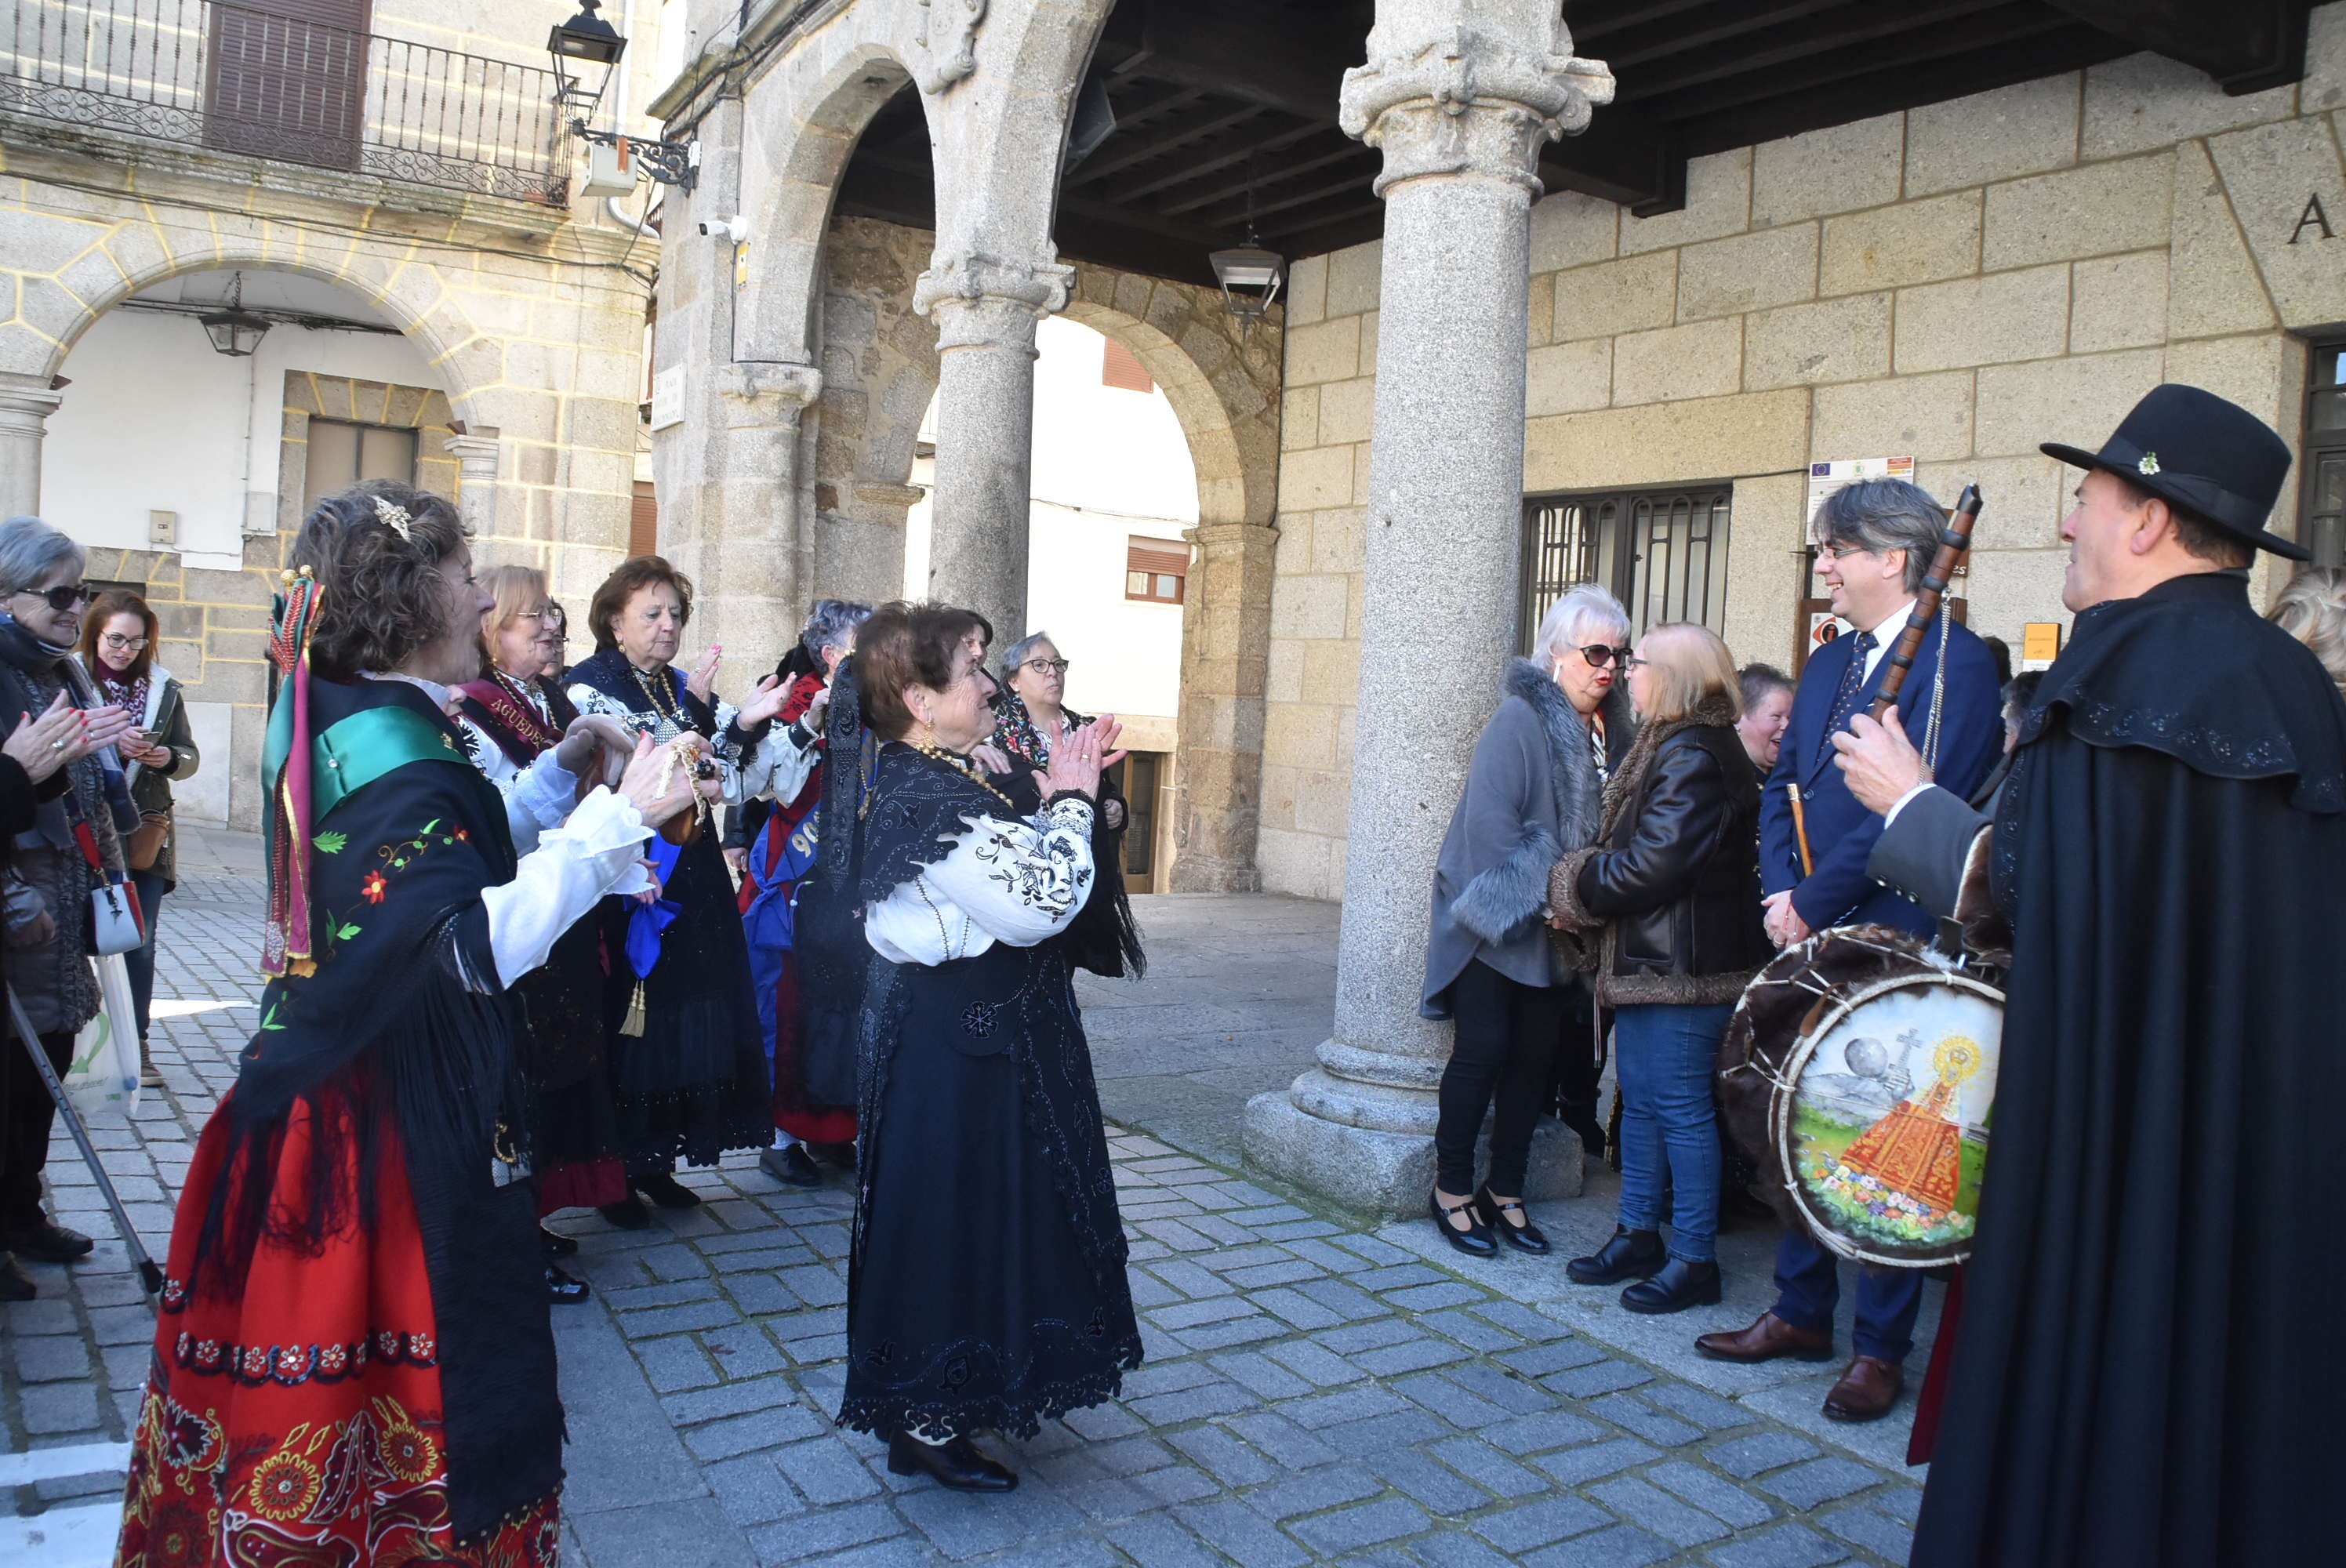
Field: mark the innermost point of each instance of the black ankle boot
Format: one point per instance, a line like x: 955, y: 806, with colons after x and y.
x: 956, y: 1464
x: 1678, y: 1286
x: 1630, y: 1255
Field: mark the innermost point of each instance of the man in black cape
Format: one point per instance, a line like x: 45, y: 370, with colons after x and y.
x: 2143, y: 1373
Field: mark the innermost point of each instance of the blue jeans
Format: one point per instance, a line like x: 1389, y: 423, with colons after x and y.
x: 140, y: 960
x: 1808, y: 1287
x: 1663, y: 1055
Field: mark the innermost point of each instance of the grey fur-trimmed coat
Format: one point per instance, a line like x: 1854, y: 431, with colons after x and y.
x: 1533, y: 794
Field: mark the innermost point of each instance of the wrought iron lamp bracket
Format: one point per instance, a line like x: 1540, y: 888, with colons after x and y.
x: 675, y: 163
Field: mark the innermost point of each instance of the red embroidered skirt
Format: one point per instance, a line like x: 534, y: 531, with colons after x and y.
x: 297, y: 1421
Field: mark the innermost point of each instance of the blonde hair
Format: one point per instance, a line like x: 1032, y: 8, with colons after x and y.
x: 2311, y: 607
x: 517, y: 589
x: 1687, y: 665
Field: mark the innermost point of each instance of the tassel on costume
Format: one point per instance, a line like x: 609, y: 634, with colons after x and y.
x: 633, y: 1024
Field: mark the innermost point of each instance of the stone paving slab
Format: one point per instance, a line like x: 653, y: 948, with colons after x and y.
x: 1317, y: 1390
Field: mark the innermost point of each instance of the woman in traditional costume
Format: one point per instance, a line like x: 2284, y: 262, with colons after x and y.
x: 986, y: 1278
x: 1031, y: 719
x: 688, y: 1063
x: 512, y: 716
x: 354, y: 1362
x: 814, y: 1102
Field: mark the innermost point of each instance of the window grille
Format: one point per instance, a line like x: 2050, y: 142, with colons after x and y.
x: 2322, y: 493
x: 1662, y: 553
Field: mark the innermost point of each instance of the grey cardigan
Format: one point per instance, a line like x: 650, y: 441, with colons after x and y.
x: 1532, y: 794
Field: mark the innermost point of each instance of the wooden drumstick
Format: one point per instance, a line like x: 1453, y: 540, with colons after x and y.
x: 1800, y: 828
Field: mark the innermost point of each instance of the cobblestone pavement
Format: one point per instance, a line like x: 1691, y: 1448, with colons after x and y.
x: 1317, y: 1390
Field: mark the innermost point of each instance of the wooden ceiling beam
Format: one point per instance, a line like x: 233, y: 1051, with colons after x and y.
x: 1351, y: 152
x: 1909, y: 23
x: 2247, y: 45
x: 1213, y: 119
x: 1782, y: 90
x: 1245, y: 148
x: 1744, y: 19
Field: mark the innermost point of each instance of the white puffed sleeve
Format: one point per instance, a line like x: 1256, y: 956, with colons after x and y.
x: 777, y: 768
x: 596, y: 853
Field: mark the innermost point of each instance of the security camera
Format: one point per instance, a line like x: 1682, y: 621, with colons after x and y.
x: 736, y: 228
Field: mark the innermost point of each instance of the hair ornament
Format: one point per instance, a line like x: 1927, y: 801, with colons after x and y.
x: 397, y: 516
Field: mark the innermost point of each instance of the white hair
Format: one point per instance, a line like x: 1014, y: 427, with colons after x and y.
x: 30, y: 550
x: 1585, y: 613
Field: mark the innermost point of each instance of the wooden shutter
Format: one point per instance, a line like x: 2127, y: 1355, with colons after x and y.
x: 1155, y: 569
x: 288, y: 78
x: 643, y: 522
x: 1120, y: 368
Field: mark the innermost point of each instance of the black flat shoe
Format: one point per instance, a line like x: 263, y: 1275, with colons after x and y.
x: 666, y: 1190
x: 957, y: 1464
x: 1630, y: 1255
x: 14, y: 1284
x: 1524, y: 1237
x: 1475, y: 1241
x: 46, y: 1242
x: 792, y: 1166
x: 1678, y: 1286
x: 557, y: 1245
x: 565, y: 1289
x: 627, y: 1214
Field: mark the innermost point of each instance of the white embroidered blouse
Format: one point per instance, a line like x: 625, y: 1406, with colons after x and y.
x: 1010, y: 880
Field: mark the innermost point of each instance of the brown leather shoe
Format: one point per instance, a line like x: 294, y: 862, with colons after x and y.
x: 1765, y: 1340
x: 1866, y: 1391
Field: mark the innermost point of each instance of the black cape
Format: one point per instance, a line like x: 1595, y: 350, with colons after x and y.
x: 2144, y: 1373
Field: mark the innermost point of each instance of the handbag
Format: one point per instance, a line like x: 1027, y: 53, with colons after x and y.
x: 115, y: 924
x: 145, y: 845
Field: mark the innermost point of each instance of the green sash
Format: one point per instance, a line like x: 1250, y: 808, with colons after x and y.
x: 356, y: 751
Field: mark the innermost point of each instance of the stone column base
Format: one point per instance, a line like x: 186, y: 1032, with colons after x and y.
x: 1383, y: 1173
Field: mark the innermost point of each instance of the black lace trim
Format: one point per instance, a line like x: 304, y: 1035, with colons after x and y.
x: 932, y: 1399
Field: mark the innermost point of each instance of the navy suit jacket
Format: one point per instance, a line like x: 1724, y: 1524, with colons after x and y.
x: 1841, y: 833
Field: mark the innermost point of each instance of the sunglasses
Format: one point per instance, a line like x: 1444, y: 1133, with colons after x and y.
x: 65, y: 597
x: 1599, y: 655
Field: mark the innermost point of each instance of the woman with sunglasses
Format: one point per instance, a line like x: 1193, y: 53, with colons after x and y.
x: 1533, y: 795
x: 117, y: 651
x: 1030, y: 719
x: 50, y: 873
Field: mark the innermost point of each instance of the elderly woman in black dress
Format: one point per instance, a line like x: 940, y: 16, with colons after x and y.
x: 986, y: 1286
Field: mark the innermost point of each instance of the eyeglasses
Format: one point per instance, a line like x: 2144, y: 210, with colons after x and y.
x: 64, y: 597
x: 121, y: 643
x: 1599, y: 655
x: 1838, y: 551
x: 1047, y: 666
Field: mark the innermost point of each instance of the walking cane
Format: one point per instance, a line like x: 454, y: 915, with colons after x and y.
x: 149, y: 1275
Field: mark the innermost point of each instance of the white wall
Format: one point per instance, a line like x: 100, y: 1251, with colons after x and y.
x: 1109, y: 466
x: 156, y: 420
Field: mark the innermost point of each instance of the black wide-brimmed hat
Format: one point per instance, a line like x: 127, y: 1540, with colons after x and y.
x: 2194, y: 450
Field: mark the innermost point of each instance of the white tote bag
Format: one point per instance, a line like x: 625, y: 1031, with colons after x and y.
x: 104, y: 1077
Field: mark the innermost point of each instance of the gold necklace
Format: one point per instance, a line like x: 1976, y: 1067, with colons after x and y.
x: 963, y: 766
x: 666, y: 706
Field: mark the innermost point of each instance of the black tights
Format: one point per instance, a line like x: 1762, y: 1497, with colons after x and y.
x: 1506, y: 1042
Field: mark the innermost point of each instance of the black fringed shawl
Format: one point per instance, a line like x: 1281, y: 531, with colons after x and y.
x: 397, y: 867
x: 1104, y: 938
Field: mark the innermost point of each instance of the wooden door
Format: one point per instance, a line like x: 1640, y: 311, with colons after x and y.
x: 287, y: 79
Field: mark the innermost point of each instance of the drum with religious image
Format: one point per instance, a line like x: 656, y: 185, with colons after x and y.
x: 1878, y: 1058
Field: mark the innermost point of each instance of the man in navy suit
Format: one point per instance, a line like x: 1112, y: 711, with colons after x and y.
x: 1875, y: 540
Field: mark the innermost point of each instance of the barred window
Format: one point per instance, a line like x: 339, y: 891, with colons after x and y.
x: 1663, y: 553
x: 2321, y: 492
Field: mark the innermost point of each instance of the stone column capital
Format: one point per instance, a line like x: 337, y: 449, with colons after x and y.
x: 26, y: 404
x: 985, y: 301
x: 477, y: 453
x: 1474, y: 99
x: 777, y: 389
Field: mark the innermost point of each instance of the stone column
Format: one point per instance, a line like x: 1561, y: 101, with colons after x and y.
x: 756, y: 544
x: 478, y: 454
x: 1459, y: 94
x: 26, y: 404
x: 986, y: 310
x: 1225, y: 662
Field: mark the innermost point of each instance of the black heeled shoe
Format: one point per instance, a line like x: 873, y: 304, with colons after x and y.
x: 957, y: 1464
x: 1630, y: 1255
x: 666, y: 1190
x: 1678, y: 1286
x: 627, y: 1214
x: 555, y: 1244
x: 1524, y: 1237
x: 1475, y: 1241
x: 565, y: 1289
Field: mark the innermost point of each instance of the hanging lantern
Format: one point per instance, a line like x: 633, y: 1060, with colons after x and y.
x: 1250, y: 277
x: 235, y: 331
x: 585, y: 40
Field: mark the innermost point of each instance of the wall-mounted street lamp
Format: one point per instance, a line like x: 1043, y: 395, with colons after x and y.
x: 577, y: 47
x: 236, y: 330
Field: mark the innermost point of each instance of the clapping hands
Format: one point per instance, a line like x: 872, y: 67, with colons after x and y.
x: 1082, y: 755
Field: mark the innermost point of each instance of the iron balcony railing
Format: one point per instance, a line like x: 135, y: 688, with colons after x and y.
x: 245, y: 80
